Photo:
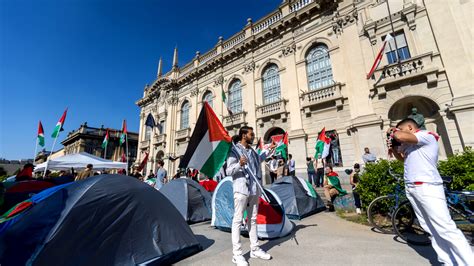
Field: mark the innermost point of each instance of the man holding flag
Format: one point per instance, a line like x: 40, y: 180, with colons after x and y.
x: 242, y: 161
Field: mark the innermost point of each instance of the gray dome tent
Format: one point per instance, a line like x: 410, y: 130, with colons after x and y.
x: 298, y: 197
x: 190, y: 198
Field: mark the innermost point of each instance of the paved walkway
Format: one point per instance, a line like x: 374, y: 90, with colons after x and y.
x: 321, y: 239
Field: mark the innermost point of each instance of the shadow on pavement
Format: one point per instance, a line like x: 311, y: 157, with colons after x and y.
x: 426, y: 251
x: 204, y: 241
x: 276, y: 242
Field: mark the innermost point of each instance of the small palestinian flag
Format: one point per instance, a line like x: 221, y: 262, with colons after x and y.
x: 40, y: 134
x: 260, y: 146
x: 209, y: 144
x: 123, y: 136
x: 322, y: 145
x: 282, y: 147
x: 59, y: 125
x: 106, y: 140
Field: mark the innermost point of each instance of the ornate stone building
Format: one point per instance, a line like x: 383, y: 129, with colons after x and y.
x: 303, y: 67
x: 89, y: 139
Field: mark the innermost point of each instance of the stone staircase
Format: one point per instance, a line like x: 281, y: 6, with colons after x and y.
x: 345, y: 202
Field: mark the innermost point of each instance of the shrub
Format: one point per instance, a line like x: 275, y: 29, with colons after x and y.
x: 375, y: 181
x: 461, y: 168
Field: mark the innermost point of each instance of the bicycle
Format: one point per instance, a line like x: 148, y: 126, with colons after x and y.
x: 407, y: 227
x: 381, y: 209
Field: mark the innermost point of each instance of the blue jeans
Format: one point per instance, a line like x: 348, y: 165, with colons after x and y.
x: 312, y: 177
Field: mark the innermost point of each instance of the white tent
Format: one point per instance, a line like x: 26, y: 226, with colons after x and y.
x: 79, y: 161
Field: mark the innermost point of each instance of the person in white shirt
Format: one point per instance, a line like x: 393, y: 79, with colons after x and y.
x: 424, y: 189
x: 273, y: 166
x: 241, y: 161
x: 291, y: 165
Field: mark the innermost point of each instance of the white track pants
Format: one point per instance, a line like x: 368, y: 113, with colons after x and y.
x: 242, y: 203
x: 429, y: 204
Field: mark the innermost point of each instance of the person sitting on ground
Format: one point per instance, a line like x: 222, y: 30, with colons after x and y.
x: 332, y: 187
x: 354, y: 179
x: 150, y: 175
x: 86, y: 173
x: 26, y: 173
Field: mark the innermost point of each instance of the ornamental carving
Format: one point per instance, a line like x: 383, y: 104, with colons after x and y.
x: 250, y: 67
x: 218, y: 81
x: 341, y: 21
x: 173, y: 100
x: 195, y: 91
x: 288, y: 50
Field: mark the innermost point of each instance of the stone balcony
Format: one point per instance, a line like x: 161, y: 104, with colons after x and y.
x: 159, y: 139
x: 183, y: 134
x: 144, y: 144
x: 235, y: 119
x: 272, y: 110
x: 323, y: 95
x: 425, y: 66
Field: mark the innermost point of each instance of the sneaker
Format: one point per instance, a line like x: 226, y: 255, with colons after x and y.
x: 239, y: 260
x: 260, y: 254
x: 358, y: 211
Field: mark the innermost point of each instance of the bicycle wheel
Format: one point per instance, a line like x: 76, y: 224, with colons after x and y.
x: 380, y: 213
x: 407, y: 227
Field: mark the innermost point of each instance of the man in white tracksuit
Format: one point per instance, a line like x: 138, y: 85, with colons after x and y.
x: 242, y: 160
x: 424, y: 189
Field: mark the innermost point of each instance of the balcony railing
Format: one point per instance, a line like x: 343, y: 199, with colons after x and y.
x: 266, y: 22
x: 159, y: 138
x: 183, y: 134
x: 299, y: 5
x: 272, y: 109
x: 235, y: 119
x: 323, y: 95
x: 426, y: 65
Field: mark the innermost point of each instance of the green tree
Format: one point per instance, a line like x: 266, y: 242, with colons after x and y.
x: 461, y: 168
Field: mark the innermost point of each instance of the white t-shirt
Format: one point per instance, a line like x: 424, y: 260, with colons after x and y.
x: 421, y: 159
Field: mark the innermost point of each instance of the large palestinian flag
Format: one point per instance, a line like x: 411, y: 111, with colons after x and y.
x: 322, y: 144
x: 209, y: 144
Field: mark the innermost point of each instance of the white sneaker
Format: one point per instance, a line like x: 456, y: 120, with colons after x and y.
x: 239, y: 260
x: 260, y: 254
x: 358, y: 211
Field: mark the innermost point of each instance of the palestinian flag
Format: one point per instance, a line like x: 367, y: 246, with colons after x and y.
x: 226, y: 103
x: 59, y: 125
x: 378, y: 59
x: 282, y: 145
x: 260, y: 146
x: 322, y: 145
x: 106, y: 140
x: 40, y: 134
x: 123, y: 137
x: 307, y: 187
x: 209, y: 144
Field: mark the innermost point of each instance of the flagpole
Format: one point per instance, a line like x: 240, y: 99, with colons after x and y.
x: 393, y: 32
x: 36, y: 149
x: 105, y: 153
x: 251, y: 174
x: 126, y: 151
x: 51, y: 153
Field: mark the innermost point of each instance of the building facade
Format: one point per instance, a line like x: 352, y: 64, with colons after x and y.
x: 303, y: 68
x: 89, y: 139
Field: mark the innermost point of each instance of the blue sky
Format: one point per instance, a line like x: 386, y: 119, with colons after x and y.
x: 95, y: 56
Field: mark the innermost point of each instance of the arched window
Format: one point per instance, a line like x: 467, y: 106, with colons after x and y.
x: 235, y: 97
x: 184, y: 115
x: 318, y: 67
x: 271, y: 84
x: 208, y: 98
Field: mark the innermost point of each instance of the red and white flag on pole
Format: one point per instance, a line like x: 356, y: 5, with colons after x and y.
x: 379, y: 56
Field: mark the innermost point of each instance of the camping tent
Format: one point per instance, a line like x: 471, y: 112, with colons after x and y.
x: 271, y: 219
x: 298, y: 197
x: 20, y: 191
x: 102, y: 220
x: 190, y: 198
x: 79, y: 161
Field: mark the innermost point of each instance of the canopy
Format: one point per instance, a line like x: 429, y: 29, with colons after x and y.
x: 102, y: 220
x: 79, y: 161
